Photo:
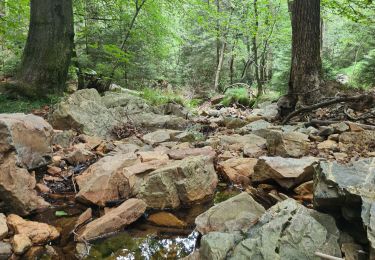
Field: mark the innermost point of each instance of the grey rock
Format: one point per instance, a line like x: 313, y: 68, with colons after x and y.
x: 3, y: 226
x: 179, y: 183
x: 350, y: 188
x: 216, y: 245
x: 5, y: 250
x: 235, y: 214
x: 160, y: 136
x: 254, y: 126
x: 268, y: 111
x: 288, y: 230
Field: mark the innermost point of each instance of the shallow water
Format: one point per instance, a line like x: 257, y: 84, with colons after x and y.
x: 141, y: 240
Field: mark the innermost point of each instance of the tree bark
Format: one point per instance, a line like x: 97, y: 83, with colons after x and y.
x: 255, y: 49
x: 306, y: 68
x: 220, y: 65
x: 48, y: 50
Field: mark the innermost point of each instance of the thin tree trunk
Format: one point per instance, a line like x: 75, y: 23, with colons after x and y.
x: 218, y: 42
x: 48, y: 50
x: 306, y: 68
x: 255, y: 49
x: 220, y: 66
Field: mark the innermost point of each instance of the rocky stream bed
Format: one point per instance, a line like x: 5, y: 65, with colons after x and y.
x: 110, y: 177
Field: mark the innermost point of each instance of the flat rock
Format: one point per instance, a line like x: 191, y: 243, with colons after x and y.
x: 288, y: 230
x: 238, y: 213
x: 166, y: 219
x: 152, y: 156
x: 216, y: 245
x: 238, y: 170
x: 113, y: 221
x: 17, y: 189
x: 288, y: 172
x: 104, y: 180
x: 179, y: 183
x: 160, y: 136
x: 255, y: 126
x: 29, y: 136
x: 38, y: 233
x: 179, y: 154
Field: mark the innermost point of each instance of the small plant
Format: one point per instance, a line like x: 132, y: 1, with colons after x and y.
x: 237, y: 96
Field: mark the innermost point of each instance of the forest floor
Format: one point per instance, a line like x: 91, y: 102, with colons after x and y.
x: 181, y: 182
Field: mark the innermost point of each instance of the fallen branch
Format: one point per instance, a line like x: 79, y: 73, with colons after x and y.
x: 322, y: 104
x: 316, y: 122
x: 328, y: 257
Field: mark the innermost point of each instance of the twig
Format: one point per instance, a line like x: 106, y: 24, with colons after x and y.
x: 315, y: 122
x: 322, y: 104
x: 328, y: 257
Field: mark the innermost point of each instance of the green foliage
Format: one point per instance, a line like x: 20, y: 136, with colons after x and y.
x: 156, y: 97
x: 23, y: 105
x: 237, y: 96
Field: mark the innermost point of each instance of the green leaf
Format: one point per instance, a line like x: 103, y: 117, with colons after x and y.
x: 60, y: 213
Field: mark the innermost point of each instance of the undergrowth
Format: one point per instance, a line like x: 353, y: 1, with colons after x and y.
x: 24, y: 105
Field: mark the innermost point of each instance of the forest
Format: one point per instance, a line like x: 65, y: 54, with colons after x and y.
x: 187, y: 129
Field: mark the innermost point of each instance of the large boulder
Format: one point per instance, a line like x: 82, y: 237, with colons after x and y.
x: 17, y: 194
x: 104, y: 181
x: 349, y: 188
x: 216, y: 245
x: 113, y: 221
x: 288, y: 172
x: 235, y: 214
x: 29, y: 136
x: 290, y: 144
x: 80, y: 112
x: 288, y: 230
x: 179, y: 183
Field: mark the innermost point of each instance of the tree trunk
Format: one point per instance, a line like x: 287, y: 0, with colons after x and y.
x: 48, y: 49
x: 220, y: 65
x: 255, y: 49
x: 306, y: 68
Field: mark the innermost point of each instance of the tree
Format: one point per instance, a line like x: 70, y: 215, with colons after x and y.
x: 48, y: 50
x: 306, y: 68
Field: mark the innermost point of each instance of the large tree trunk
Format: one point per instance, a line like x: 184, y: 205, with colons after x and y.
x: 48, y: 49
x: 306, y: 69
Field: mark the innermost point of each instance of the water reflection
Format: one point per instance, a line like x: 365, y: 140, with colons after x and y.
x: 124, y: 246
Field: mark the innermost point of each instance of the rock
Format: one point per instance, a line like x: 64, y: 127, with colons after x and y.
x: 17, y: 189
x: 83, y: 218
x: 187, y: 136
x: 288, y: 230
x: 80, y: 111
x: 238, y: 213
x: 340, y: 127
x: 291, y: 144
x: 328, y: 145
x: 5, y: 250
x: 63, y: 138
x: 21, y: 243
x: 160, y: 136
x: 175, y: 109
x: 179, y: 154
x: 358, y: 139
x: 255, y: 126
x: 340, y: 156
x: 38, y: 233
x: 54, y: 171
x: 82, y: 250
x: 152, y: 156
x: 325, y: 131
x: 216, y: 245
x: 79, y: 156
x: 29, y: 136
x: 166, y: 219
x: 355, y: 127
x: 305, y: 188
x: 3, y: 226
x: 115, y: 220
x: 180, y: 183
x: 234, y: 122
x: 268, y: 111
x: 287, y: 172
x: 42, y: 188
x: 349, y: 188
x: 104, y: 180
x: 252, y: 145
x: 238, y: 169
